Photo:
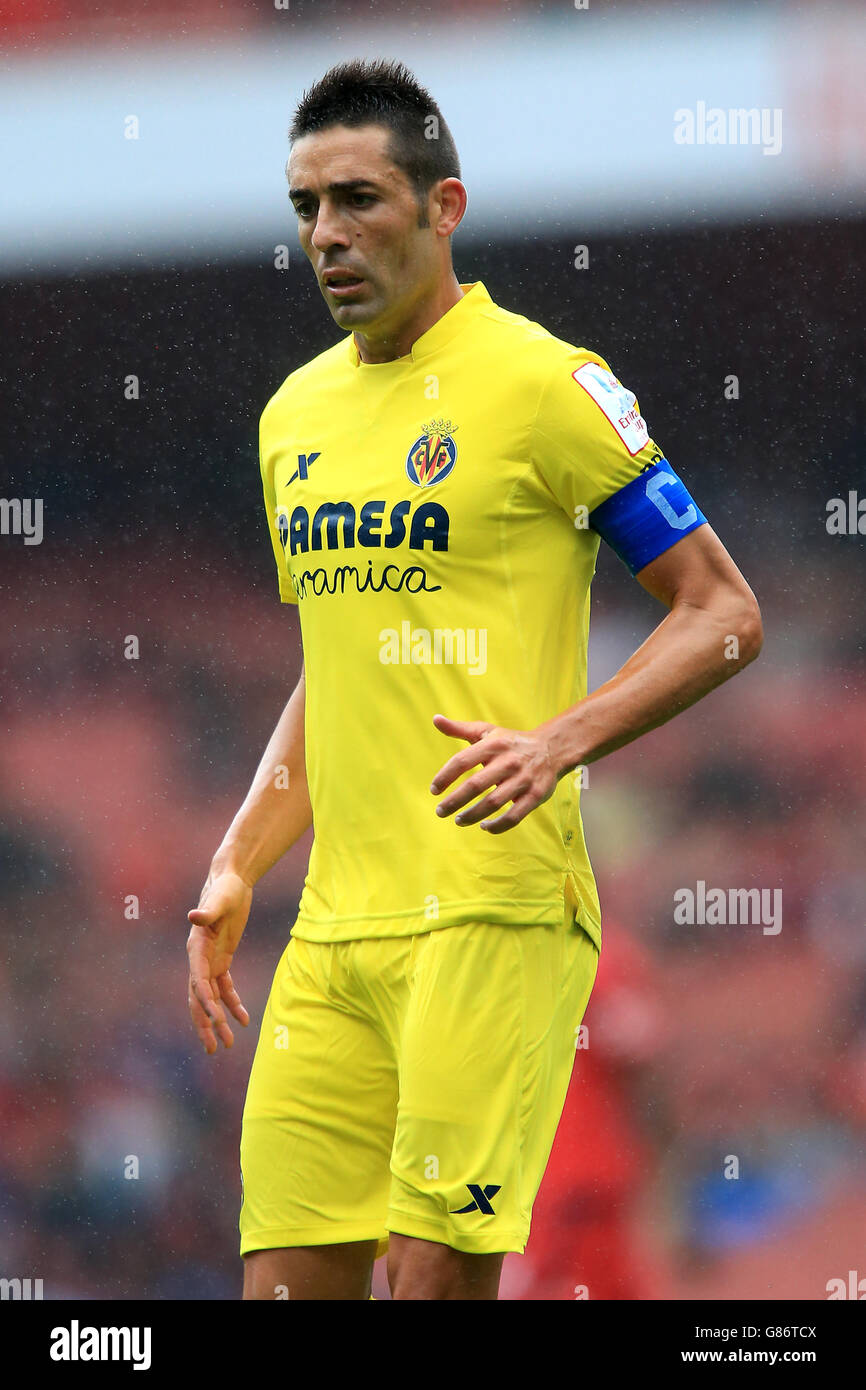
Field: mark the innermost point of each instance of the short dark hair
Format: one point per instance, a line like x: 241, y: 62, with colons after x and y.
x: 383, y: 92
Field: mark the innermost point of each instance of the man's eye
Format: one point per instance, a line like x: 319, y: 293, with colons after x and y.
x: 303, y: 210
x: 363, y: 198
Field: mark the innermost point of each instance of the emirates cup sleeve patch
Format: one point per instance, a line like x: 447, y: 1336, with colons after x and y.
x: 616, y: 402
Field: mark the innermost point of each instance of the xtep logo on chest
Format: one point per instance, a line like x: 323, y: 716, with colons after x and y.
x: 302, y: 470
x: 376, y: 524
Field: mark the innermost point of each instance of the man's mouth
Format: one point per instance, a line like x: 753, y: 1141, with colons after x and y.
x: 342, y: 282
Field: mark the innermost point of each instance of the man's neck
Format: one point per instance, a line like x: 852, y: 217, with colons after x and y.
x: 400, y: 342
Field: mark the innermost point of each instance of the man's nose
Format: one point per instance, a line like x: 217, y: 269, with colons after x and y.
x: 328, y: 230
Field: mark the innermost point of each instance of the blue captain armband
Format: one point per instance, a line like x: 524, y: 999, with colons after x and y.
x: 647, y: 516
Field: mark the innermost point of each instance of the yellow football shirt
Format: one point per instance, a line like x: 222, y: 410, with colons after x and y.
x: 429, y: 518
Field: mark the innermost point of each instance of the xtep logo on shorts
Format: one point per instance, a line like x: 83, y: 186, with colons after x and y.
x: 480, y: 1199
x: 433, y: 455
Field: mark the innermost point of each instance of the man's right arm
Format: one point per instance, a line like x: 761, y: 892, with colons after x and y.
x: 276, y: 810
x: 274, y: 814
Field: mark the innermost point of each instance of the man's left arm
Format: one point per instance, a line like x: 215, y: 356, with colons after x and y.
x: 713, y: 630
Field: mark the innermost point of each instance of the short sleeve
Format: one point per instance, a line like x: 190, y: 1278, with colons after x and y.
x: 589, y: 438
x: 278, y: 523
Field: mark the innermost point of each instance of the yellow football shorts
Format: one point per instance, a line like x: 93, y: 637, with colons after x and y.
x: 412, y: 1084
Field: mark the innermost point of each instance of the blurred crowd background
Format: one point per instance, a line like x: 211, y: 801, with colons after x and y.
x: 712, y: 1050
x: 29, y: 23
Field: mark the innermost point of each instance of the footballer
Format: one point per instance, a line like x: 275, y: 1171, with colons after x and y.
x: 436, y: 486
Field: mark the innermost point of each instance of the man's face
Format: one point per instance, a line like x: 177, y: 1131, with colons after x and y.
x: 358, y: 224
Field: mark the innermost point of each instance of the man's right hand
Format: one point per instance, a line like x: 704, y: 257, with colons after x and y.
x: 217, y: 925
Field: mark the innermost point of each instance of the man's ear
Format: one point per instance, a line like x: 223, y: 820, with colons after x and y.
x: 452, y: 199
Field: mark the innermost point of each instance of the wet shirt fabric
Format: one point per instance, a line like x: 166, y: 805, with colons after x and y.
x: 433, y: 520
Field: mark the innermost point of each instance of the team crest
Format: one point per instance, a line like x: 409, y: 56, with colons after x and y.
x: 433, y: 454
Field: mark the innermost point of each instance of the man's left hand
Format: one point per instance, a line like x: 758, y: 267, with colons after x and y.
x: 517, y: 765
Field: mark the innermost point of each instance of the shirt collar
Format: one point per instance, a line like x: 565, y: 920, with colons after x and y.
x: 475, y: 298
